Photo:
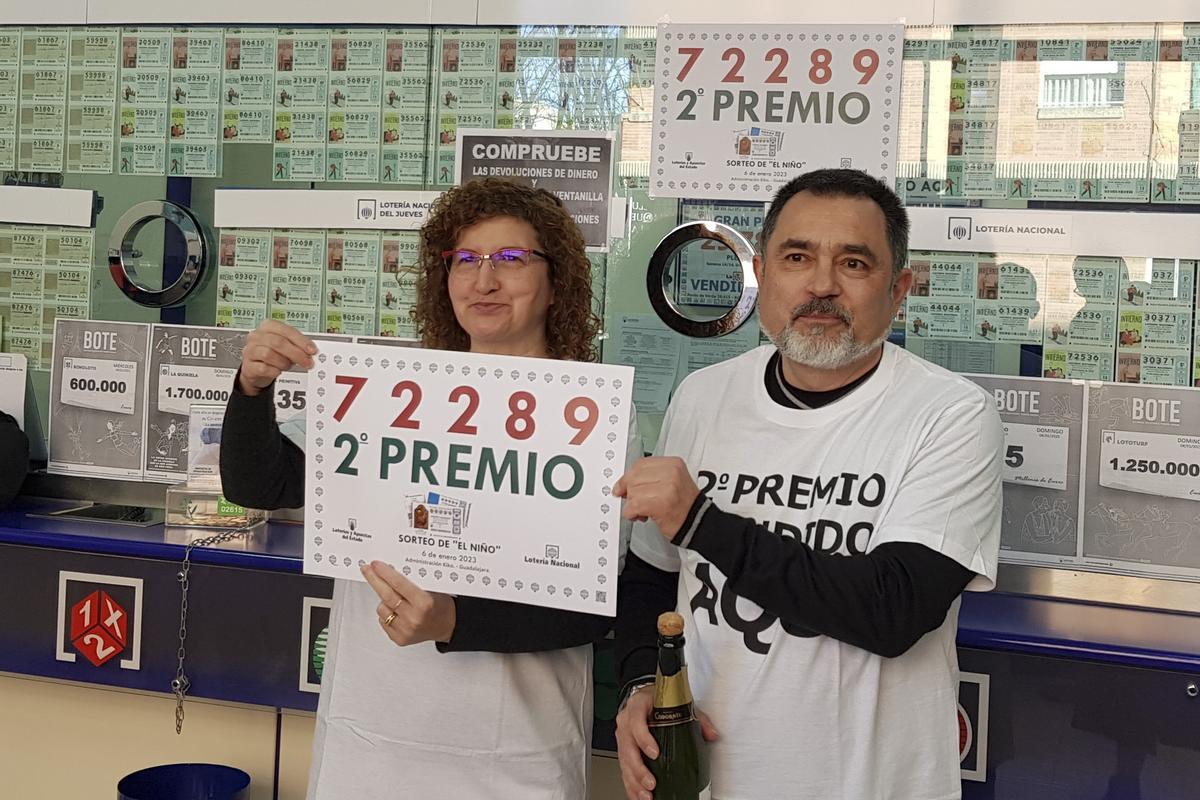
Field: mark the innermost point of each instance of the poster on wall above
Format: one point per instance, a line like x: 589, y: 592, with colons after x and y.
x: 741, y: 109
x: 574, y: 165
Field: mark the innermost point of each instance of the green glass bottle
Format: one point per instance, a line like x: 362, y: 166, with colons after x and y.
x: 681, y: 769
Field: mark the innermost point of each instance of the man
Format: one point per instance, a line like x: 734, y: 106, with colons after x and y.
x: 819, y: 504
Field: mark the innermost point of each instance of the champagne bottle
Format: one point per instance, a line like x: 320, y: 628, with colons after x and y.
x: 681, y: 769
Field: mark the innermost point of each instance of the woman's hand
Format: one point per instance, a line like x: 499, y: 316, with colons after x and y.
x: 408, y: 613
x: 270, y: 349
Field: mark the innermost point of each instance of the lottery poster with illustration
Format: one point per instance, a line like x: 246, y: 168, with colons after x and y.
x: 187, y: 365
x: 1043, y: 441
x: 1141, y: 510
x: 98, y: 398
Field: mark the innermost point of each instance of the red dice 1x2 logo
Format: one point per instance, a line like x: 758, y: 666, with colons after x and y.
x: 99, y: 627
x: 99, y: 617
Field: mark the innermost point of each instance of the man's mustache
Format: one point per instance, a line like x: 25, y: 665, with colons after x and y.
x: 822, y: 307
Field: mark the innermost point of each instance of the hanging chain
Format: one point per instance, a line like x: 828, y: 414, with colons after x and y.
x: 180, y: 685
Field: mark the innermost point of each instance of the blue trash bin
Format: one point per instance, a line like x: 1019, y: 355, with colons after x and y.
x: 185, y: 782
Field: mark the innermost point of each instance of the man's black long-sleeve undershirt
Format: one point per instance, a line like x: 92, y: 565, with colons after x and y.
x: 882, y: 601
x: 261, y: 468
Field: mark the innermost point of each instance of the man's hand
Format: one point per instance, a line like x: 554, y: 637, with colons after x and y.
x: 415, y: 614
x: 270, y: 349
x: 634, y: 740
x: 658, y: 488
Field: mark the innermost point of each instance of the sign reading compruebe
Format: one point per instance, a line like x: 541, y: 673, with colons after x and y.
x: 476, y: 475
x: 740, y: 110
x: 575, y: 165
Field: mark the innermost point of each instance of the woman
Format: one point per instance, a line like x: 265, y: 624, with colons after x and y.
x: 456, y: 697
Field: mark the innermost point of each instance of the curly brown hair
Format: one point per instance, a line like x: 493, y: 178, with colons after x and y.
x: 571, y: 324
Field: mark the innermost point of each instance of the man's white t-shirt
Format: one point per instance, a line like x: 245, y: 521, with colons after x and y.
x: 911, y: 455
x: 410, y: 723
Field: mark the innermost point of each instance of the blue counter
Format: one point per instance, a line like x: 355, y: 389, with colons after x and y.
x: 1059, y: 698
x: 989, y: 621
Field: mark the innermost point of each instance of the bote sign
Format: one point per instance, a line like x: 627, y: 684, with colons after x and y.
x: 99, y: 617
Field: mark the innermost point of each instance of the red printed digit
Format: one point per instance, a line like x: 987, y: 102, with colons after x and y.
x: 781, y: 55
x: 866, y: 62
x: 356, y: 385
x: 405, y: 420
x: 820, y: 71
x: 463, y: 423
x: 739, y: 58
x: 585, y: 426
x: 692, y: 54
x: 520, y: 406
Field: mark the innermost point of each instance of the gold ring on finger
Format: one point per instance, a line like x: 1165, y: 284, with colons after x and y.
x: 389, y: 619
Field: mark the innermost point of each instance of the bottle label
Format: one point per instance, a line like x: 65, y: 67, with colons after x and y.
x: 671, y: 715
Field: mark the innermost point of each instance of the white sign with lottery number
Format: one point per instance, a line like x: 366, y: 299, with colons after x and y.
x: 99, y: 384
x: 1151, y: 463
x: 478, y: 475
x: 746, y: 108
x: 1035, y: 455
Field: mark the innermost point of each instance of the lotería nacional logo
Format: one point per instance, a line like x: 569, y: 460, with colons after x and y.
x: 366, y: 209
x: 351, y: 532
x: 960, y: 228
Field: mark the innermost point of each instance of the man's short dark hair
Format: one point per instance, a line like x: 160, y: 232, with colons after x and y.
x: 845, y: 183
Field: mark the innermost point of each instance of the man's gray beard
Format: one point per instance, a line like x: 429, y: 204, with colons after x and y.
x: 821, y: 352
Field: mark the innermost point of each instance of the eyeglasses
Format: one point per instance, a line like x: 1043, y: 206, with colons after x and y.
x: 508, y: 259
